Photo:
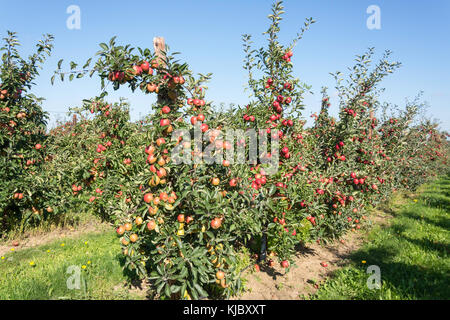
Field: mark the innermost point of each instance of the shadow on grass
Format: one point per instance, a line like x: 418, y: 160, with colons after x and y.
x: 440, y: 222
x: 426, y: 245
x: 440, y: 202
x: 412, y: 281
x: 398, y: 228
x: 443, y: 182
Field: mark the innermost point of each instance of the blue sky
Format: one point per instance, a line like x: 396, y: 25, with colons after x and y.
x: 208, y: 34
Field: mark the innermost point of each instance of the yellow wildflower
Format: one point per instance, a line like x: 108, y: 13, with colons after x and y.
x: 83, y: 267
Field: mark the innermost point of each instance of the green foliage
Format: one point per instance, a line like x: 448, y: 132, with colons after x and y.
x: 22, y: 132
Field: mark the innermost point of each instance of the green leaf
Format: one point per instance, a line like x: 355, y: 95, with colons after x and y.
x: 183, y: 288
x: 87, y: 63
x: 200, y: 290
x: 159, y: 288
x: 193, y: 291
x: 175, y: 288
x: 167, y: 291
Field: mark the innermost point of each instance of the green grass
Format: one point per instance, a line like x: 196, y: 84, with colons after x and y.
x: 412, y: 252
x: 41, y: 272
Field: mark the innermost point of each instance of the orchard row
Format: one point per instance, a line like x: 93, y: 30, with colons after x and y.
x: 182, y: 225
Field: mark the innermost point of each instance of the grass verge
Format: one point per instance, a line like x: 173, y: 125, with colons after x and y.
x: 44, y: 272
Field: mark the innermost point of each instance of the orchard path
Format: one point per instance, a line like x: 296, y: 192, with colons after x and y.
x: 307, y: 273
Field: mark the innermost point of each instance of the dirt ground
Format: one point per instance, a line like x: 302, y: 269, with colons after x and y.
x: 274, y: 284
